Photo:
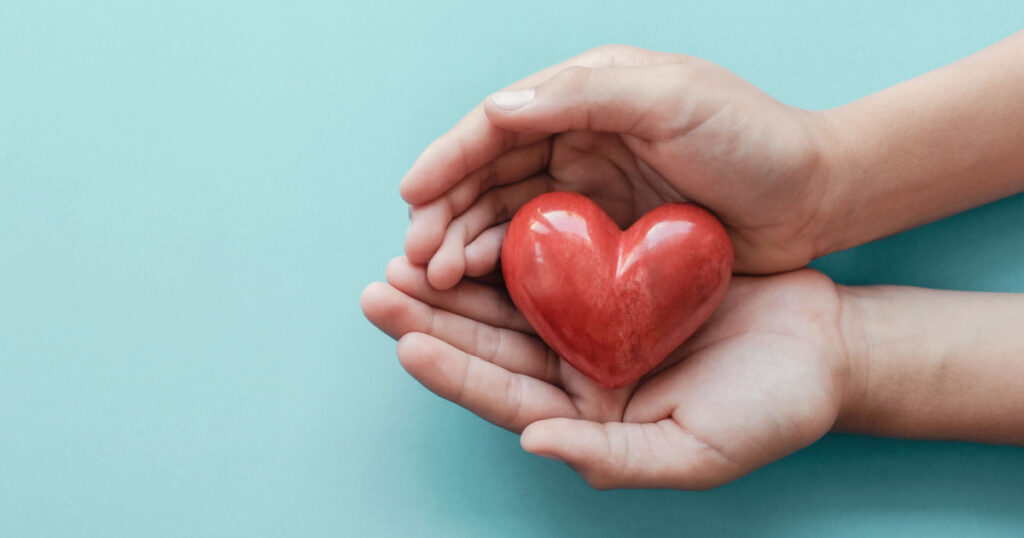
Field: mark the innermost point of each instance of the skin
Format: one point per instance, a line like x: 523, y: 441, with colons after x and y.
x: 932, y: 364
x: 631, y: 129
x: 761, y: 379
x: 786, y: 358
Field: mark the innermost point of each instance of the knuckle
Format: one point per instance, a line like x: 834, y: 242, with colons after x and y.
x: 495, y: 206
x: 454, y: 143
x: 460, y: 388
x: 514, y: 404
x: 574, y: 77
x: 607, y: 49
x: 614, y: 52
x: 490, y: 176
x: 676, y: 76
x: 442, y: 209
x: 487, y: 342
x: 429, y: 317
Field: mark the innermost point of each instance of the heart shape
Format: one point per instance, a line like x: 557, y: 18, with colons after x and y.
x: 612, y: 303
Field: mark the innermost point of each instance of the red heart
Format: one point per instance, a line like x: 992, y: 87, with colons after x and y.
x: 612, y: 303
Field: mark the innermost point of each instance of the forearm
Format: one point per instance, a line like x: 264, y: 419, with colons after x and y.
x: 934, y: 364
x: 927, y: 148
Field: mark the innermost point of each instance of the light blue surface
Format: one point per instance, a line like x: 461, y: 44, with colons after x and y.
x: 193, y: 194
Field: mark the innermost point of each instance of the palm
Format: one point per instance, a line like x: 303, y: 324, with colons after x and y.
x: 603, y: 167
x: 758, y: 380
x: 754, y: 384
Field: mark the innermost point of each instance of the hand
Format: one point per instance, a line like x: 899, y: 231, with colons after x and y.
x: 763, y: 378
x: 632, y: 129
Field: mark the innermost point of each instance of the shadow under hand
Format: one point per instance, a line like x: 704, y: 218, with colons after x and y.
x: 978, y: 250
x: 845, y: 485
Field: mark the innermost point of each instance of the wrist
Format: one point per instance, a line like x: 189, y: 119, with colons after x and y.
x: 931, y: 364
x: 836, y: 205
x: 854, y: 333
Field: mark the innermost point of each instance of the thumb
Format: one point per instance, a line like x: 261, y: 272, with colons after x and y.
x: 628, y: 455
x: 628, y: 100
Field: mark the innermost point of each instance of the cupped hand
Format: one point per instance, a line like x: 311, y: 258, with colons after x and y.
x: 763, y: 378
x: 632, y: 129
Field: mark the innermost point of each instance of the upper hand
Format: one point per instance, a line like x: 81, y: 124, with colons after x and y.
x: 632, y: 129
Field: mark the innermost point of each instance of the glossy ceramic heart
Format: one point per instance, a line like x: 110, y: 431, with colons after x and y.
x: 612, y: 303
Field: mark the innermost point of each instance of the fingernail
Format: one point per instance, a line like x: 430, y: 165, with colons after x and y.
x: 512, y: 99
x: 548, y: 456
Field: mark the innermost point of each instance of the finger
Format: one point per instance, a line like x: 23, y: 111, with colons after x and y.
x: 469, y: 299
x: 398, y: 314
x: 630, y: 455
x: 504, y: 398
x: 594, y: 402
x: 482, y: 253
x: 475, y: 141
x: 448, y: 265
x: 471, y: 143
x: 428, y: 222
x: 631, y: 100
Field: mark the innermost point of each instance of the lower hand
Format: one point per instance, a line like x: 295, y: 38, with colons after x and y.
x: 764, y: 377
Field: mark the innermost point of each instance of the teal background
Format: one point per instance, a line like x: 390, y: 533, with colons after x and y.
x: 193, y: 194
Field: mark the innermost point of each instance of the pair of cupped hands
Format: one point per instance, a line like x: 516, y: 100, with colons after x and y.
x: 631, y: 129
